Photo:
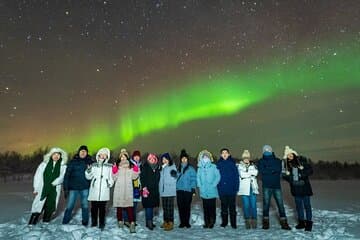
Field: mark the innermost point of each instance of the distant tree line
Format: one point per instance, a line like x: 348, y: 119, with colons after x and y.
x: 14, y: 165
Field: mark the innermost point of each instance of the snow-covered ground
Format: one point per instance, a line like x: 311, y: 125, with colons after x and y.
x: 336, y: 215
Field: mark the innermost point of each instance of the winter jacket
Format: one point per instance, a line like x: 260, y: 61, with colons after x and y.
x: 123, y: 190
x: 150, y: 178
x: 247, y: 174
x: 136, y: 183
x: 302, y: 186
x: 186, y: 179
x: 75, y: 174
x: 38, y: 184
x: 270, y: 170
x: 167, y: 183
x: 229, y: 181
x: 208, y: 177
x: 101, y: 178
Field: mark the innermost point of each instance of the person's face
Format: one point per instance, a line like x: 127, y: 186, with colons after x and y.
x: 83, y: 154
x: 152, y: 160
x: 123, y: 157
x: 165, y: 161
x: 184, y: 160
x: 55, y: 156
x: 102, y: 156
x: 290, y: 156
x: 137, y: 158
x: 246, y: 160
x: 225, y: 154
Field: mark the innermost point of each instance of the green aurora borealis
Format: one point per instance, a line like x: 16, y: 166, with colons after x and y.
x: 228, y: 92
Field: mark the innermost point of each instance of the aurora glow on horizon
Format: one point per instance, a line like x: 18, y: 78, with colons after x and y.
x: 164, y: 75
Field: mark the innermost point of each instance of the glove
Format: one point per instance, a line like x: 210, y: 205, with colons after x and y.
x: 66, y: 194
x: 173, y: 173
x: 114, y: 169
x: 145, y: 192
x: 136, y: 168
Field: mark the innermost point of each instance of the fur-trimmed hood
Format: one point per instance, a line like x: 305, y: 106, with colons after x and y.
x: 207, y: 153
x: 64, y: 156
x: 103, y: 150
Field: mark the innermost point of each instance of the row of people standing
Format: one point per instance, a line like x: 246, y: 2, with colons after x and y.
x: 92, y: 181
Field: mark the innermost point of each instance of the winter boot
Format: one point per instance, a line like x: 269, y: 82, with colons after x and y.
x: 247, y: 223
x: 169, y: 226
x: 149, y: 225
x: 120, y: 224
x: 265, y: 223
x: 308, y: 226
x: 224, y: 218
x: 132, y: 227
x: 253, y: 223
x: 233, y: 221
x: 300, y: 225
x: 127, y: 224
x: 284, y: 224
x: 211, y: 222
x: 34, y: 218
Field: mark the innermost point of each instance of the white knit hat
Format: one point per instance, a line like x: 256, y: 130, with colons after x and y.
x: 289, y: 150
x: 246, y: 154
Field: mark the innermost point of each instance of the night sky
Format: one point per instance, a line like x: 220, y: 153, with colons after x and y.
x: 162, y: 75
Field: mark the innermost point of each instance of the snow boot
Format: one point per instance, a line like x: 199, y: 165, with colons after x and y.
x: 284, y: 224
x: 127, y: 224
x: 224, y: 218
x: 211, y: 222
x: 308, y: 226
x: 169, y: 226
x: 265, y: 223
x: 132, y: 227
x: 253, y: 223
x: 247, y: 223
x: 34, y: 218
x: 233, y: 221
x: 149, y: 225
x: 120, y: 224
x: 300, y: 225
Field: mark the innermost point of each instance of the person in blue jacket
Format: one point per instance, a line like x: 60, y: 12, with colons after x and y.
x: 208, y: 177
x: 185, y: 188
x: 75, y: 184
x: 228, y: 187
x: 270, y: 169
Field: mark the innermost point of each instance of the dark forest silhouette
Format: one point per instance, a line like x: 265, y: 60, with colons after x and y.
x: 15, y: 166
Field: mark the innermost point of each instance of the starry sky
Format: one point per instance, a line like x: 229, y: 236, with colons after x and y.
x: 162, y: 75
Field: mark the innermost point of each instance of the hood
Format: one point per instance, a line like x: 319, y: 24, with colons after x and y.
x: 103, y: 150
x: 64, y: 156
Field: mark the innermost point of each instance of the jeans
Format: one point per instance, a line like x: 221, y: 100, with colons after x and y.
x: 249, y: 206
x: 73, y: 194
x: 267, y: 193
x: 149, y: 214
x: 301, y: 203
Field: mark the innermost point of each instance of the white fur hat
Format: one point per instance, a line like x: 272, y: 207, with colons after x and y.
x: 64, y: 157
x: 246, y: 154
x: 105, y: 151
x: 289, y: 150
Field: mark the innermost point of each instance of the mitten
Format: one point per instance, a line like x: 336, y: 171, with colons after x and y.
x: 136, y: 168
x: 114, y: 169
x: 173, y: 173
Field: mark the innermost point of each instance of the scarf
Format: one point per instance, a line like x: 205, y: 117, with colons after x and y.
x: 51, y: 172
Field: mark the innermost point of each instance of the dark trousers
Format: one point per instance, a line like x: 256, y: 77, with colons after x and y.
x: 168, y: 207
x: 228, y: 205
x: 98, y: 209
x: 47, y: 213
x: 129, y: 211
x: 209, y: 206
x: 184, y: 199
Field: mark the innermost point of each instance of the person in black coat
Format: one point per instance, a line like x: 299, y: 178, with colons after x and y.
x: 75, y: 184
x: 149, y: 178
x: 297, y: 172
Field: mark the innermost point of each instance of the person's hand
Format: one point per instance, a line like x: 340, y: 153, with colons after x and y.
x: 193, y: 191
x: 145, y: 192
x: 114, y: 169
x: 287, y: 173
x: 35, y: 193
x: 301, y: 167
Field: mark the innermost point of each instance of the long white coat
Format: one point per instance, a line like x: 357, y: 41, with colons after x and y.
x: 38, y: 183
x: 123, y: 190
x: 101, y: 178
x: 247, y: 176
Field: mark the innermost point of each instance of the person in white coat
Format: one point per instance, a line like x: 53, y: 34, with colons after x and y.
x: 47, y: 185
x: 100, y: 175
x: 248, y: 189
